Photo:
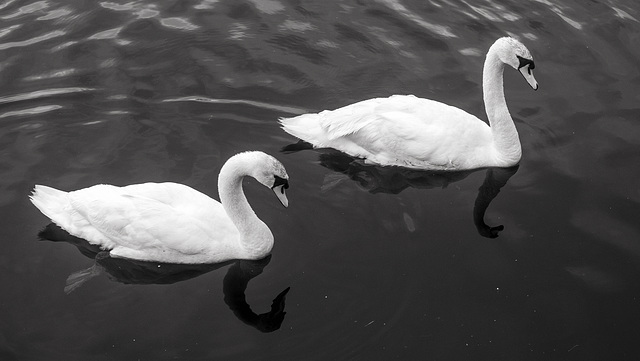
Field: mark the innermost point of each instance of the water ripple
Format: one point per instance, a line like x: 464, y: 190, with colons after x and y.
x: 493, y: 12
x: 60, y: 73
x: 55, y: 14
x: 31, y: 111
x: 623, y: 14
x: 206, y: 5
x: 106, y: 34
x: 296, y: 25
x: 178, y: 23
x: 558, y: 11
x: 8, y: 30
x: 27, y: 9
x: 402, y: 10
x: 43, y: 94
x: 238, y: 31
x: 269, y: 7
x: 280, y: 108
x: 139, y: 10
x: 7, y: 3
x: 37, y: 39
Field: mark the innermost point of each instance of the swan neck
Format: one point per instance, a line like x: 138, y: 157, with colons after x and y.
x: 493, y: 89
x: 233, y: 199
x: 505, y: 134
x: 255, y: 237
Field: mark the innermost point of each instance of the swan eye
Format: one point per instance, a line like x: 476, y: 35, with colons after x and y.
x: 525, y: 62
x: 279, y: 181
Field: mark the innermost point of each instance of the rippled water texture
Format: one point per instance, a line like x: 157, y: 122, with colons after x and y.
x: 369, y: 263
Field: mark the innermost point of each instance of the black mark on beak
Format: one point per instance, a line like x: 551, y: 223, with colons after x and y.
x: 279, y: 181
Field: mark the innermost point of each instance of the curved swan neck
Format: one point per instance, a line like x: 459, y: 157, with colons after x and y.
x: 255, y: 236
x: 505, y: 134
x: 492, y: 87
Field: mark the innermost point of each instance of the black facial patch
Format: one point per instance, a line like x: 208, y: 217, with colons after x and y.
x: 524, y: 62
x: 279, y: 181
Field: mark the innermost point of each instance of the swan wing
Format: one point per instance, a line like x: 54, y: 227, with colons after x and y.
x: 406, y: 130
x: 351, y: 118
x: 401, y: 130
x: 324, y: 128
x: 422, y: 132
x: 151, y: 221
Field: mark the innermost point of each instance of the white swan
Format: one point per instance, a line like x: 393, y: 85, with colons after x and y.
x: 171, y: 222
x: 411, y: 132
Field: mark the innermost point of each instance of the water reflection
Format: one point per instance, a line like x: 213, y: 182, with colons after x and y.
x: 494, y: 180
x: 393, y: 180
x: 234, y: 286
x: 139, y: 272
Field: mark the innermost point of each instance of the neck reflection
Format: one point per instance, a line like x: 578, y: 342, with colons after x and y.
x: 393, y: 180
x: 142, y: 272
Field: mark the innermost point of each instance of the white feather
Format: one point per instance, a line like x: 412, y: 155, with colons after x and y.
x: 169, y: 222
x: 403, y: 130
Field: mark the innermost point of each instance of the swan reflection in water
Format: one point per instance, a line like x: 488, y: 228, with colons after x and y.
x: 142, y: 272
x: 393, y: 180
x: 378, y: 179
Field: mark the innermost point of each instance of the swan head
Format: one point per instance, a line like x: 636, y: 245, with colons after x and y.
x: 513, y: 53
x: 271, y: 174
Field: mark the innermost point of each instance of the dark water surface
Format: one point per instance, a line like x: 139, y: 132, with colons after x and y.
x: 381, y: 263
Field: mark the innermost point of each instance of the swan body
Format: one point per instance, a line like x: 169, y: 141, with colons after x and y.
x: 171, y: 222
x: 407, y: 131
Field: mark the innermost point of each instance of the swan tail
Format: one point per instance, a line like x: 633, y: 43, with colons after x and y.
x: 78, y: 278
x: 305, y: 127
x: 61, y: 209
x: 51, y: 202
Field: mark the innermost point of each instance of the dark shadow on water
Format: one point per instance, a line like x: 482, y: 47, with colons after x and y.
x: 393, y: 180
x: 295, y: 147
x: 234, y: 286
x: 494, y: 180
x: 129, y: 271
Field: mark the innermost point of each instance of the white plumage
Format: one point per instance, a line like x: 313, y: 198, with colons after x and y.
x: 412, y: 132
x: 171, y: 222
